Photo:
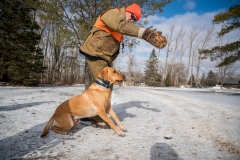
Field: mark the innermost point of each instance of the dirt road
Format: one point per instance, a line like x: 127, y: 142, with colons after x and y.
x: 162, y: 124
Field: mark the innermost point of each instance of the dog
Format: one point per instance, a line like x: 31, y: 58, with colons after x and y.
x: 96, y: 100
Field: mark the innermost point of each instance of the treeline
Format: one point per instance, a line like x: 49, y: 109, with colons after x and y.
x: 39, y: 42
x: 153, y: 75
x: 40, y: 39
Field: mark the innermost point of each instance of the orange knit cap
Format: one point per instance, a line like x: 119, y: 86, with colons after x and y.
x: 135, y: 9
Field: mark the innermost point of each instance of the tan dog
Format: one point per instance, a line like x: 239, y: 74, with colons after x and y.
x: 94, y: 101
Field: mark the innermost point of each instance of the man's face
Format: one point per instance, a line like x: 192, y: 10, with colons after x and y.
x: 130, y: 17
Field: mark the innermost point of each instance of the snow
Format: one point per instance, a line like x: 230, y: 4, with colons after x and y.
x: 163, y: 123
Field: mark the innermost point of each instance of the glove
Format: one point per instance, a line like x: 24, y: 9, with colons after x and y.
x: 154, y: 38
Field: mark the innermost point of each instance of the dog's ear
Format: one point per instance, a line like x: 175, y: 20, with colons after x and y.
x: 104, y: 73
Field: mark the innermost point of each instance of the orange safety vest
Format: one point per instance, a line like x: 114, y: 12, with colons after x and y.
x: 99, y: 24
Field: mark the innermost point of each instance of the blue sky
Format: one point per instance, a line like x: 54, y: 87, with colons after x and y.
x: 198, y: 6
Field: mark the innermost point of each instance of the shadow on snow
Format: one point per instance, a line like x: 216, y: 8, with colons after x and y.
x: 162, y: 151
x: 20, y: 106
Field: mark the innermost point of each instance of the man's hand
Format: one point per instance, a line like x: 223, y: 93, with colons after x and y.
x: 155, y: 38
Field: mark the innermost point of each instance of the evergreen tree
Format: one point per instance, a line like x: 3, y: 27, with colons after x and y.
x: 230, y: 20
x: 211, y: 79
x: 168, y: 80
x: 152, y: 78
x: 20, y: 56
x: 203, y: 79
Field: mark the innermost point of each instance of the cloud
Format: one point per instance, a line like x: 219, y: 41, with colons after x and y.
x: 187, y: 20
x: 190, y: 5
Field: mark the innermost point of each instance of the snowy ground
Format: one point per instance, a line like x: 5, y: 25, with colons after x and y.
x: 162, y: 123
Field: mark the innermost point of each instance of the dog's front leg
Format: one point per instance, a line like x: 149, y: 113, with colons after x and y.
x: 115, y: 117
x: 105, y: 117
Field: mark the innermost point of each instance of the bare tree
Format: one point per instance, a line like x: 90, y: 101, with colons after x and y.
x: 170, y: 40
x: 191, y: 36
x: 180, y: 53
x: 177, y: 40
x: 194, y: 51
x: 130, y: 43
x: 205, y: 42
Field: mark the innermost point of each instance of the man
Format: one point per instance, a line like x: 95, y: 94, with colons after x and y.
x: 101, y: 47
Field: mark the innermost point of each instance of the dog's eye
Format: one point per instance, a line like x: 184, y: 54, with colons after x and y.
x: 114, y: 71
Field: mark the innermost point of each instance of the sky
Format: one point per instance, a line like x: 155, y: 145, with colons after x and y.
x: 186, y: 14
x: 180, y: 7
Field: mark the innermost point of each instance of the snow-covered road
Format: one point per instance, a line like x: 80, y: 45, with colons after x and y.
x: 162, y: 124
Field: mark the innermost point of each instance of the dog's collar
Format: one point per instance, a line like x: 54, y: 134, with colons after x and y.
x: 104, y: 83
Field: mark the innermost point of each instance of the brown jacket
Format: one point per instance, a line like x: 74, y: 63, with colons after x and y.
x: 100, y: 43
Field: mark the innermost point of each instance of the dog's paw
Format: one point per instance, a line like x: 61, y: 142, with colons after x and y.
x: 121, y: 134
x: 124, y: 130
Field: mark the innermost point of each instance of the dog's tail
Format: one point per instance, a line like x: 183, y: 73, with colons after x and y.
x: 47, y: 127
